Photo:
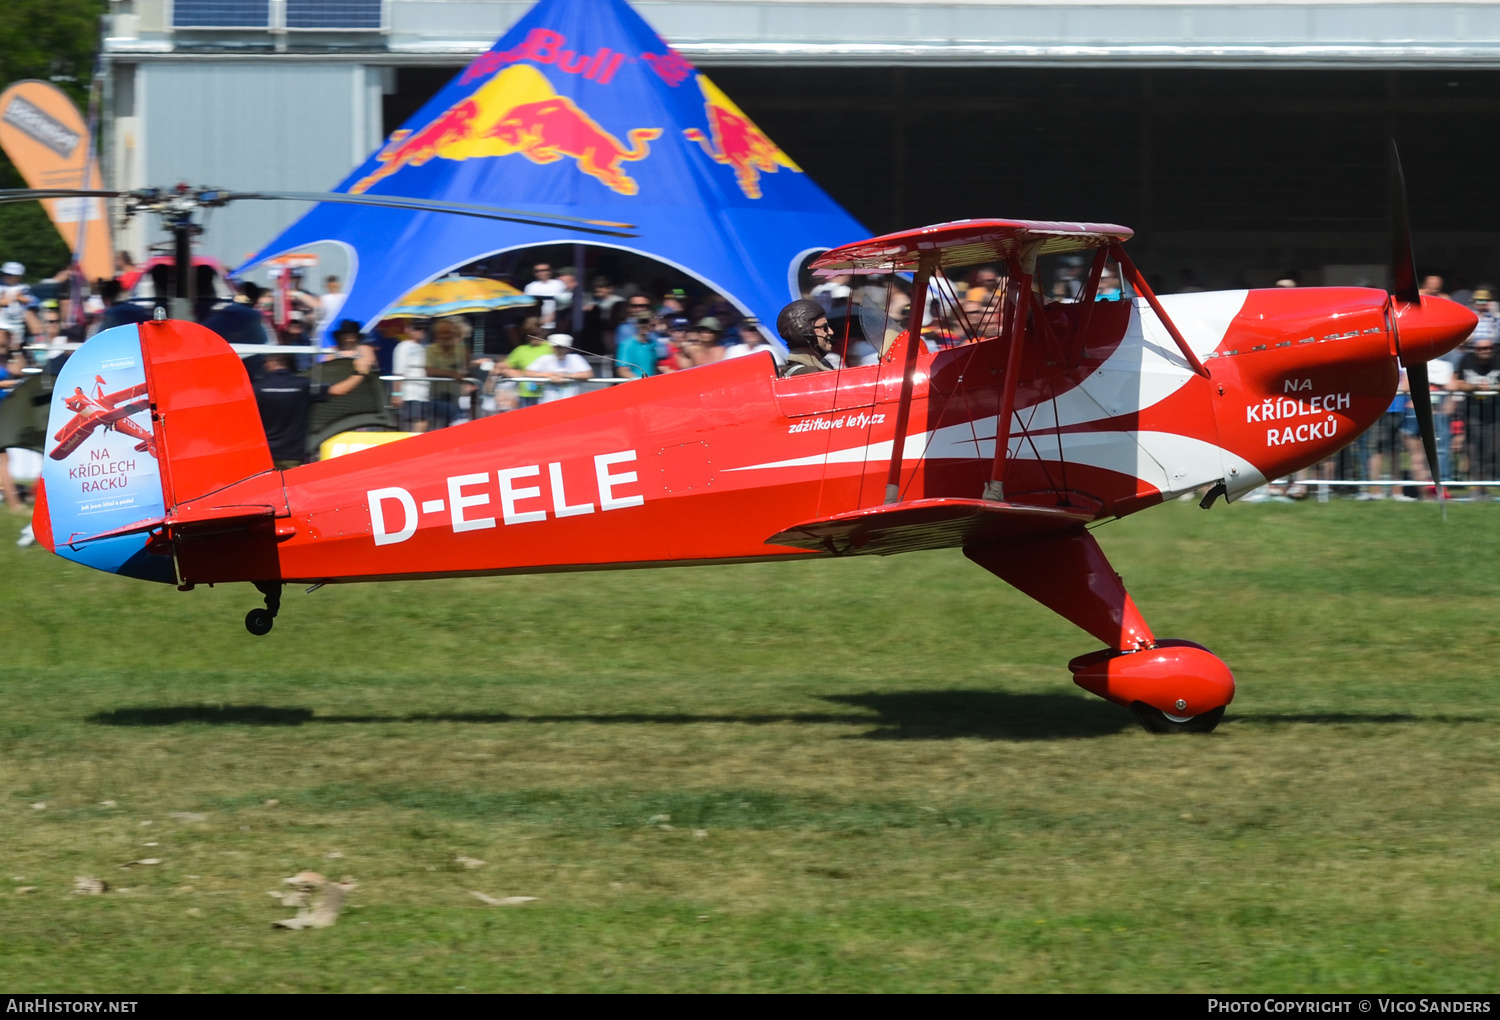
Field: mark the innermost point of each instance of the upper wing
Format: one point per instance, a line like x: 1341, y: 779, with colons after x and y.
x: 967, y: 243
x: 113, y: 399
x: 926, y: 524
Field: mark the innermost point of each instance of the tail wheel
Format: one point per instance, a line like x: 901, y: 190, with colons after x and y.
x: 259, y: 622
x: 1154, y: 720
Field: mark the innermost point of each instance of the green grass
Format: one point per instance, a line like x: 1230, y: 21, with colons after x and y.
x: 878, y: 774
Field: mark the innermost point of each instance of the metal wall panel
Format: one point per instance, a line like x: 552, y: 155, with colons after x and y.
x: 254, y: 125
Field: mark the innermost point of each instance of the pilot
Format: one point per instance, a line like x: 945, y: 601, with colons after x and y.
x: 804, y: 326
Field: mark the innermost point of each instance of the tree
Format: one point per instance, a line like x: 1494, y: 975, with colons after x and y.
x: 53, y: 40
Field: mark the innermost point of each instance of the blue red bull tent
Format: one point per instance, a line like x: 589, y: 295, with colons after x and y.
x: 581, y: 110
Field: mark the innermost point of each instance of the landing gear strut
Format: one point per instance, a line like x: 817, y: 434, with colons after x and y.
x: 1170, y: 685
x: 260, y: 621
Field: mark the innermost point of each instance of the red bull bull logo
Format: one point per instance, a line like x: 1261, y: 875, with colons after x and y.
x: 547, y: 131
x: 517, y: 112
x: 414, y: 148
x: 736, y: 141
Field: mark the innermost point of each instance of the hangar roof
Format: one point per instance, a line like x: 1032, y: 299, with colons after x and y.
x: 1143, y: 33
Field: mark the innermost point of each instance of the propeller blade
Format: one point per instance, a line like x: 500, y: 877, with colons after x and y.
x: 1403, y: 260
x: 606, y: 227
x: 1421, y: 403
x: 10, y: 195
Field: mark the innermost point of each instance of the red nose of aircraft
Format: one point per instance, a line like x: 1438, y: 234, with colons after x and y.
x: 1431, y: 329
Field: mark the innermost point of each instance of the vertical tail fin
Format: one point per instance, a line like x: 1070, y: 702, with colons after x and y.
x: 144, y: 417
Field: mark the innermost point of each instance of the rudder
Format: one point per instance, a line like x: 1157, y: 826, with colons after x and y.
x: 203, y: 410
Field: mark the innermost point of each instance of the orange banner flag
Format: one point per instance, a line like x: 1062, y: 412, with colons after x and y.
x: 46, y: 138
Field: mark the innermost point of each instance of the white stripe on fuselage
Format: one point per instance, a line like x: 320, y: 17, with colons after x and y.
x: 1144, y: 369
x: 1166, y: 461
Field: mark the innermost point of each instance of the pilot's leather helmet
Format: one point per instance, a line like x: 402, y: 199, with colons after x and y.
x: 795, y: 323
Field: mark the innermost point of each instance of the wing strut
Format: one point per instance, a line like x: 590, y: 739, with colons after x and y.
x: 1087, y: 299
x: 928, y: 262
x: 1127, y: 267
x: 994, y: 489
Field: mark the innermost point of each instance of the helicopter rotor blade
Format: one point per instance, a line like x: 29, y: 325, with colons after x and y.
x: 12, y: 195
x: 211, y: 197
x: 607, y: 228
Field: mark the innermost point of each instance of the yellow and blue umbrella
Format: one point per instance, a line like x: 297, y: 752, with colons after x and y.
x: 458, y: 295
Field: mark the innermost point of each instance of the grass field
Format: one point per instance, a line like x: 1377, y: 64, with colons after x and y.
x: 861, y: 775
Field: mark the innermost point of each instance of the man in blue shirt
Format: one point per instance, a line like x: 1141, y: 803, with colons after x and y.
x: 239, y: 321
x: 636, y: 345
x: 1379, y: 447
x: 117, y: 310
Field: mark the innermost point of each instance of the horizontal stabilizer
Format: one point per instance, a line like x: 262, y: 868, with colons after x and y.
x: 926, y: 524
x: 191, y: 520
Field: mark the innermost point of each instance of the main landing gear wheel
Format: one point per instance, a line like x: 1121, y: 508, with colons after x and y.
x: 1156, y: 721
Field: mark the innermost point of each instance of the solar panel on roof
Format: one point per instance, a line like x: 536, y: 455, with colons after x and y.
x: 304, y: 14
x: 221, y: 14
x: 343, y: 14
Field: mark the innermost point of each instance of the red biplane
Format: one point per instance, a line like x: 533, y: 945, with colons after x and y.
x: 1052, y: 417
x: 103, y: 410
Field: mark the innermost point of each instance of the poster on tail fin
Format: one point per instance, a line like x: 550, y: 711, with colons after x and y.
x: 583, y: 110
x: 101, y: 470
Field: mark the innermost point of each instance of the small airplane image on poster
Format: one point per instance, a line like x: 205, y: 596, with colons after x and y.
x: 106, y: 410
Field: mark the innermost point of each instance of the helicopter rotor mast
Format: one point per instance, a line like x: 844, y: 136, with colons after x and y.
x: 175, y: 207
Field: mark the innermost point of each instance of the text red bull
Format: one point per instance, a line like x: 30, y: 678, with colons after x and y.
x: 544, y: 46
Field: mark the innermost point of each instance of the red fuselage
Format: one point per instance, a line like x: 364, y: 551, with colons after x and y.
x: 705, y: 465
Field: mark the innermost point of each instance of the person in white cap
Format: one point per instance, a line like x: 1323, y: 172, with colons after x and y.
x: 562, y: 368
x: 753, y: 341
x: 16, y: 303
